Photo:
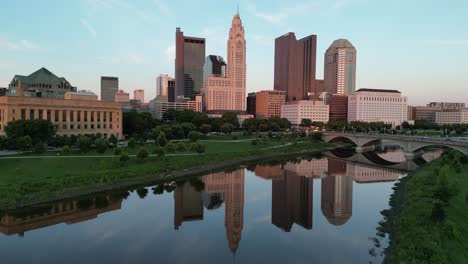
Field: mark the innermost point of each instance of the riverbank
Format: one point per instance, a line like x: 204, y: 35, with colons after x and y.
x: 25, y: 182
x: 429, y: 211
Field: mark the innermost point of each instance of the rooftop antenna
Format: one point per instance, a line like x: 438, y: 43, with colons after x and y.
x: 237, y: 7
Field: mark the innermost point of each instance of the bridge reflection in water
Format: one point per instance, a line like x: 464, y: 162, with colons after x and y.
x: 292, y: 187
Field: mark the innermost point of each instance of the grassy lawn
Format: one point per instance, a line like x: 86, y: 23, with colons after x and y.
x: 427, y: 222
x: 26, y: 179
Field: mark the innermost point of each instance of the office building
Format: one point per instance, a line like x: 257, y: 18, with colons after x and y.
x: 188, y: 204
x: 109, y: 87
x: 295, y: 66
x: 319, y: 90
x: 41, y: 83
x: 3, y: 91
x: 447, y: 105
x: 337, y: 198
x: 426, y: 113
x: 451, y: 117
x: 295, y: 111
x: 214, y: 66
x: 229, y: 93
x: 122, y: 97
x: 139, y: 95
x: 163, y: 83
x: 251, y: 103
x: 189, y: 62
x: 340, y: 68
x: 78, y: 113
x: 161, y: 104
x: 338, y: 107
x: 268, y: 103
x: 378, y: 105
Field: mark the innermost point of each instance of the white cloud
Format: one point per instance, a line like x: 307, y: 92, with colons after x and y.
x: 170, y: 53
x: 88, y: 27
x: 163, y: 7
x: 135, y: 59
x: 18, y: 45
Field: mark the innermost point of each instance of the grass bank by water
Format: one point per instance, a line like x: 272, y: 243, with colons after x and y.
x: 29, y: 181
x: 427, y: 222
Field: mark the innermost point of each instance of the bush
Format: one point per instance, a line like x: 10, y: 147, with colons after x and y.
x: 205, y: 128
x: 235, y: 137
x: 193, y: 136
x: 181, y: 147
x: 159, y: 151
x: 113, y: 140
x: 3, y: 142
x: 66, y: 150
x: 101, y: 145
x: 39, y: 148
x: 124, y: 158
x: 227, y: 128
x: 118, y: 151
x: 142, y: 155
x: 161, y: 139
x: 84, y: 144
x: 132, y: 143
x: 24, y: 143
x: 170, y: 147
x: 254, y: 142
x: 199, y: 148
x: 316, y: 136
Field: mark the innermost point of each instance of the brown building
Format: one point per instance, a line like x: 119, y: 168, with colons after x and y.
x: 251, y: 103
x: 337, y: 198
x: 76, y: 114
x: 189, y: 62
x: 338, y: 107
x: 188, y: 204
x: 295, y: 66
x: 268, y: 103
x: 319, y: 89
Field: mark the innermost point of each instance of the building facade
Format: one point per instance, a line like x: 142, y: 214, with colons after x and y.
x: 122, y: 97
x: 161, y: 104
x: 378, y: 105
x: 41, y: 83
x: 109, y: 87
x: 139, y: 95
x: 338, y: 107
x: 295, y: 66
x: 189, y: 62
x: 340, y: 68
x: 319, y: 90
x: 162, y: 85
x: 268, y: 103
x: 3, y: 91
x: 295, y: 111
x: 251, y: 103
x: 447, y: 105
x: 76, y: 114
x: 451, y: 117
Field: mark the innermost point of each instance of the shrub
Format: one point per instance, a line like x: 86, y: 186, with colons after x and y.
x: 227, y: 128
x: 118, y: 151
x: 132, y: 143
x: 3, y: 142
x: 235, y: 137
x: 101, y: 145
x: 39, y: 147
x: 113, y: 140
x: 254, y: 142
x: 84, y: 144
x: 66, y: 150
x: 159, y: 151
x: 181, y: 147
x: 142, y: 155
x: 170, y: 147
x: 24, y: 143
x: 193, y: 136
x: 161, y: 139
x: 199, y: 148
x: 205, y: 128
x: 124, y: 158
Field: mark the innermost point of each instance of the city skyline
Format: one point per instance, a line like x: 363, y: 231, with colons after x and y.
x: 86, y: 29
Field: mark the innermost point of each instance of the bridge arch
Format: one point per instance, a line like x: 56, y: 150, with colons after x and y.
x: 420, y: 147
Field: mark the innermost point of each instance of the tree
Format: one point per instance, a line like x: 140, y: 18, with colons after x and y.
x: 227, y: 128
x: 405, y: 125
x: 142, y: 192
x: 37, y: 130
x: 159, y: 151
x: 24, y: 143
x: 199, y: 148
x: 231, y: 118
x: 124, y: 158
x: 161, y: 140
x: 118, y: 151
x: 84, y: 144
x: 181, y: 147
x: 3, y: 142
x: 170, y: 147
x: 187, y: 128
x: 113, y: 140
x: 66, y: 150
x: 101, y: 145
x: 142, y: 155
x: 131, y: 143
x: 216, y: 124
x: 205, y: 128
x: 316, y: 136
x: 137, y: 124
x: 305, y: 122
x: 39, y: 148
x: 193, y: 136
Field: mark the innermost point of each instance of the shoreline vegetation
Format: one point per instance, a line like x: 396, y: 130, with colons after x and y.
x: 428, y: 215
x: 27, y: 182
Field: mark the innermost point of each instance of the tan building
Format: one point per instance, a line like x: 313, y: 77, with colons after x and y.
x: 122, y: 97
x: 295, y: 111
x: 268, y: 103
x: 450, y: 117
x: 77, y: 114
x: 160, y: 105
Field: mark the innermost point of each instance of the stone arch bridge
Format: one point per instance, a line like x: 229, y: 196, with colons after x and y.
x: 412, y: 145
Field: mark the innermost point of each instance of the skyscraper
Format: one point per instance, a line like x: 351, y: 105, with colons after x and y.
x: 340, y: 68
x: 139, y: 95
x: 189, y: 62
x: 228, y: 93
x: 214, y: 66
x: 295, y: 63
x: 162, y: 85
x: 109, y: 87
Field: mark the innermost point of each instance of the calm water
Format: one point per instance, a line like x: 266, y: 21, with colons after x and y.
x: 308, y: 211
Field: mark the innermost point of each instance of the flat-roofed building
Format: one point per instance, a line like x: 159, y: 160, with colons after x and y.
x: 451, y: 117
x: 139, y: 95
x: 3, y: 91
x: 76, y: 114
x: 109, y: 87
x: 338, y: 106
x: 122, y: 97
x: 268, y: 103
x: 378, y: 105
x: 295, y: 111
x: 161, y: 104
x: 251, y: 103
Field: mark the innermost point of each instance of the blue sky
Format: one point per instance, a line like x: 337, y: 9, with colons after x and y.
x: 417, y: 46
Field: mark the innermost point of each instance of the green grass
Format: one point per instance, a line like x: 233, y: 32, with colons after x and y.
x: 28, y: 179
x: 419, y: 233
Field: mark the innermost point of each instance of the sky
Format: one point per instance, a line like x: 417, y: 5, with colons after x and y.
x: 419, y: 47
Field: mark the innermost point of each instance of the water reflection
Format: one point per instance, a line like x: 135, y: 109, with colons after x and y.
x: 290, y: 202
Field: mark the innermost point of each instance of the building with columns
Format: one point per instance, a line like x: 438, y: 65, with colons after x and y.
x: 229, y: 93
x: 77, y: 114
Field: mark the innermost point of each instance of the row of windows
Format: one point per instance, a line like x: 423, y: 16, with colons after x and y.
x: 54, y: 115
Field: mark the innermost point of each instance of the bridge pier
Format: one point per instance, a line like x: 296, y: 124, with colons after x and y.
x: 362, y: 149
x: 413, y: 155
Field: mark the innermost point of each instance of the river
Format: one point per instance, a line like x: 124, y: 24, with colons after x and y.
x: 314, y: 210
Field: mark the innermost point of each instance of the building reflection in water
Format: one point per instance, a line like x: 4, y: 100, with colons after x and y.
x: 231, y: 185
x: 188, y: 204
x: 68, y: 212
